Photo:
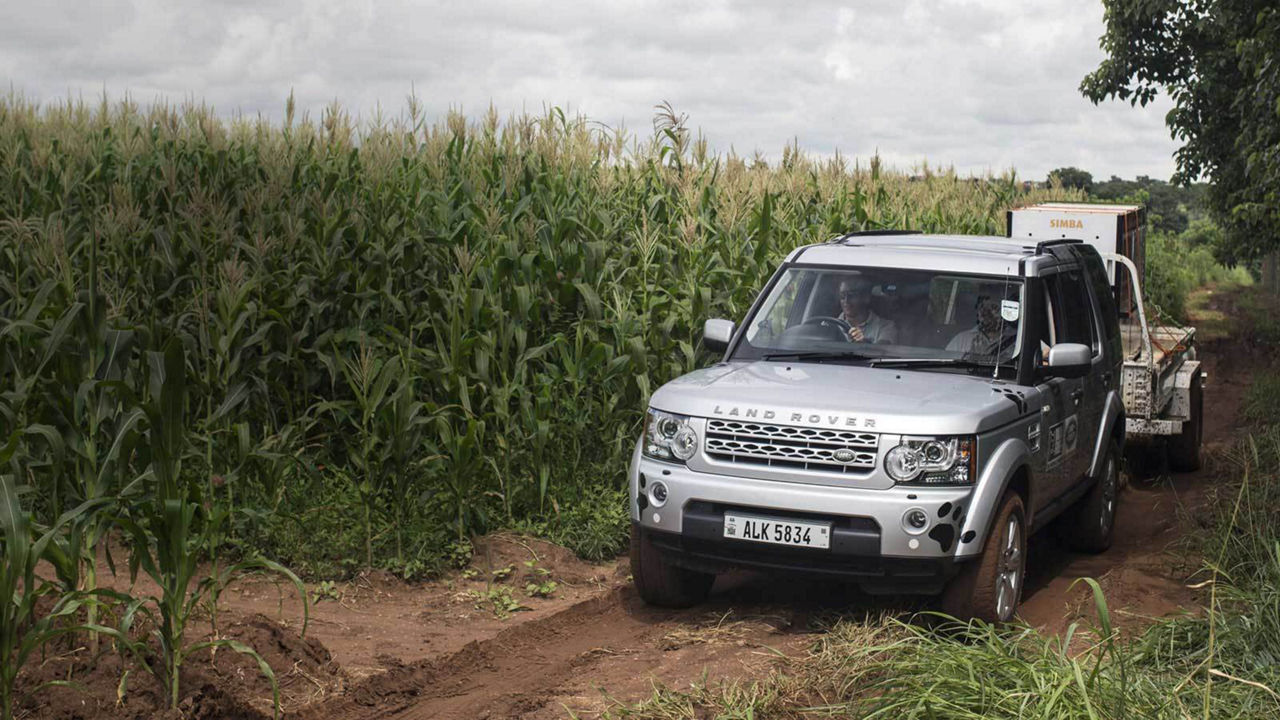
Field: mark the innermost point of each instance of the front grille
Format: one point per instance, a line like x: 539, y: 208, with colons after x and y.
x: 807, y: 448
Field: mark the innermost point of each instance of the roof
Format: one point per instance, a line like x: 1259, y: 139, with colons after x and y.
x: 1081, y: 208
x: 982, y: 254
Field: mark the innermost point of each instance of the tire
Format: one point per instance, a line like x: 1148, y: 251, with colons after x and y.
x: 661, y: 583
x: 1184, y: 448
x: 1089, y: 524
x: 989, y: 587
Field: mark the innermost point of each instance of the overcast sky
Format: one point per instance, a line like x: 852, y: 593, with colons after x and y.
x: 976, y: 84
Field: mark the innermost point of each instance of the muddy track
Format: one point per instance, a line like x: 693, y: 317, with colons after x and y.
x: 611, y: 648
x: 534, y: 668
x: 499, y: 677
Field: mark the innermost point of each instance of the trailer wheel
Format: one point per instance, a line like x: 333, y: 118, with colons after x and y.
x: 989, y: 587
x: 658, y: 582
x: 1184, y: 448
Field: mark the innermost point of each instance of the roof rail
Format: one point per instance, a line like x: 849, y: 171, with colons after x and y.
x: 1044, y: 245
x: 872, y: 233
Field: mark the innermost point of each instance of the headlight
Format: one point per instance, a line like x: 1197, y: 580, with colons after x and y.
x: 668, y: 436
x: 932, y: 460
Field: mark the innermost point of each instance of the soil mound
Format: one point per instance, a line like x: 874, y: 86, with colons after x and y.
x: 219, y: 684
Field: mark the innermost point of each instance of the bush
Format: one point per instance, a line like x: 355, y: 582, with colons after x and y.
x: 1176, y: 266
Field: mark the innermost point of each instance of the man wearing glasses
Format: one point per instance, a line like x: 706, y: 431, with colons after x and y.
x: 855, y: 309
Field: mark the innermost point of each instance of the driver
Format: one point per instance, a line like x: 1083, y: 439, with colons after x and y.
x: 855, y: 309
x: 984, y: 338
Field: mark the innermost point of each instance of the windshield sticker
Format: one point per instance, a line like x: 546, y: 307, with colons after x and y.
x: 1009, y: 310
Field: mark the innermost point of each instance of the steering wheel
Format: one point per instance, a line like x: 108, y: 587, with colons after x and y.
x: 827, y: 321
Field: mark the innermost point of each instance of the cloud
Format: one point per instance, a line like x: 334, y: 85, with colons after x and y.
x: 974, y: 84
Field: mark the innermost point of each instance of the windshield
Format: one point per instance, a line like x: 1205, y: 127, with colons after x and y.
x: 887, y: 316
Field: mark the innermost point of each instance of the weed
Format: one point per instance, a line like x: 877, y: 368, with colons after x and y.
x: 328, y: 590
x: 497, y: 600
x: 543, y: 589
x: 538, y: 582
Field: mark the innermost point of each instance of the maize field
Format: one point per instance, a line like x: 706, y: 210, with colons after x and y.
x: 338, y: 345
x: 440, y: 328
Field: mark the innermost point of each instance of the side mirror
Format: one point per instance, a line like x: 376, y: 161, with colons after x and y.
x: 716, y: 335
x: 1070, y: 360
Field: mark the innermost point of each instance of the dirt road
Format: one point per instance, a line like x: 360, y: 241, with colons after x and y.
x: 379, y: 648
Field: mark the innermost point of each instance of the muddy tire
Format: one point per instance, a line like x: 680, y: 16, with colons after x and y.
x: 989, y: 587
x: 658, y: 582
x: 1089, y: 524
x: 1184, y: 448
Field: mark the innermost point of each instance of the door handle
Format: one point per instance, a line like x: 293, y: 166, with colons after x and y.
x: 1076, y: 395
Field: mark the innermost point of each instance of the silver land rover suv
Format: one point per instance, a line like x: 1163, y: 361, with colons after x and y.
x: 899, y: 410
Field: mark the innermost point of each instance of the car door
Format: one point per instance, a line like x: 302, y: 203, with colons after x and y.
x: 1071, y: 318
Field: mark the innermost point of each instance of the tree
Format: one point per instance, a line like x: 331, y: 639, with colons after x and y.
x: 1072, y: 177
x: 1219, y: 60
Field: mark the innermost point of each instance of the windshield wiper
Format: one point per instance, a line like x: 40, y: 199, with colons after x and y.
x: 819, y: 355
x: 930, y: 362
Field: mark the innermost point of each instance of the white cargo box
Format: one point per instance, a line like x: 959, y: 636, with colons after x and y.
x: 1109, y: 228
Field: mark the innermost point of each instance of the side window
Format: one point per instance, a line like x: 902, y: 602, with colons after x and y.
x: 1106, y: 300
x: 1072, y: 311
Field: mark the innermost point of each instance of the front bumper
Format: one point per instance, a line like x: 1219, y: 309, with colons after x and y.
x: 874, y: 573
x: 871, y: 519
x: 869, y: 538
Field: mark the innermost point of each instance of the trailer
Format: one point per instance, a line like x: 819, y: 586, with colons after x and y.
x: 1162, y: 383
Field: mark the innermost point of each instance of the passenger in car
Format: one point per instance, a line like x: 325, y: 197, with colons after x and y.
x: 855, y: 309
x: 985, y: 337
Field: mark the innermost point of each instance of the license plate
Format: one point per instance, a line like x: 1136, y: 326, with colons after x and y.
x: 777, y: 531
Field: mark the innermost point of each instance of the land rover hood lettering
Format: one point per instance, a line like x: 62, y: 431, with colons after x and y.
x: 844, y: 397
x: 793, y: 418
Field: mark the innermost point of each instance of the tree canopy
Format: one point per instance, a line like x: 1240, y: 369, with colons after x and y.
x: 1219, y: 60
x: 1072, y: 177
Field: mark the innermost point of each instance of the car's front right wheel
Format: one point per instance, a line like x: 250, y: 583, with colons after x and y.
x: 659, y: 582
x: 989, y: 587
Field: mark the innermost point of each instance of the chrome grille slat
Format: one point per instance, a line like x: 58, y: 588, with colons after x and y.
x: 770, y: 445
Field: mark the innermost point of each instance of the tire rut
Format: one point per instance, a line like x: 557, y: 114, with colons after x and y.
x: 508, y: 675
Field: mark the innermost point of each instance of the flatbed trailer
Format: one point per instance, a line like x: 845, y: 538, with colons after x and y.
x: 1162, y: 384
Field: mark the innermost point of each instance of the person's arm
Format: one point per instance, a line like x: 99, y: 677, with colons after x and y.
x: 961, y: 341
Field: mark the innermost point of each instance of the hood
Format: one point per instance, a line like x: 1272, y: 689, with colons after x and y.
x: 883, y: 400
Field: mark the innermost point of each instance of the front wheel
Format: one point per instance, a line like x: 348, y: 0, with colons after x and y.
x: 661, y: 583
x: 989, y: 587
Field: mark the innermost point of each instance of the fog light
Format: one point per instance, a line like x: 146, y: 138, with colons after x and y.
x: 915, y: 521
x: 658, y: 493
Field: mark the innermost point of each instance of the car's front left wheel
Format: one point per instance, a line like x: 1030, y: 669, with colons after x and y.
x: 989, y: 587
